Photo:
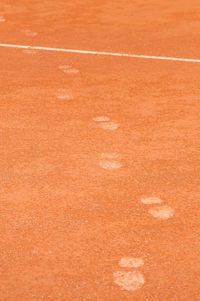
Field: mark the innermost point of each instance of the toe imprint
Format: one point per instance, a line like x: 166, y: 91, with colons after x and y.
x: 110, y: 155
x: 151, y: 200
x: 131, y: 262
x: 101, y: 118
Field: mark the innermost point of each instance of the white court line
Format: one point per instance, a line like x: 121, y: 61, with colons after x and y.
x: 102, y: 53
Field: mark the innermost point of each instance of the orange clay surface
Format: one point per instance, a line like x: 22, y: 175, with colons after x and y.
x: 76, y: 222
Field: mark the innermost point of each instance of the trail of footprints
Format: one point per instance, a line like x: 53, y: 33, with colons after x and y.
x: 108, y: 160
x: 111, y: 161
x: 131, y: 279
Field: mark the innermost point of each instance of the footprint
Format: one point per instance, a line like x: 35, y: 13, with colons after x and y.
x: 64, y: 94
x: 162, y: 212
x: 68, y: 69
x: 101, y: 118
x: 72, y: 70
x: 108, y: 161
x: 29, y: 32
x: 108, y: 125
x: 106, y: 164
x: 129, y: 280
x: 29, y: 51
x: 105, y: 123
x: 109, y: 155
x: 64, y: 67
x: 67, y: 97
x: 2, y: 19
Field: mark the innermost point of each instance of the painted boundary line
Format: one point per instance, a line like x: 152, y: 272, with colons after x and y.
x: 102, y: 53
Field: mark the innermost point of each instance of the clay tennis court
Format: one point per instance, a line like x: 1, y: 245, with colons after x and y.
x: 100, y: 144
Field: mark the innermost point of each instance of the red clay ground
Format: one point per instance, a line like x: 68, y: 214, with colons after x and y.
x: 67, y: 223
